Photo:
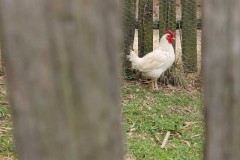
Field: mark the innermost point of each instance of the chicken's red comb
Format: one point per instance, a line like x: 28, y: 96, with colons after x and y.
x: 171, y: 33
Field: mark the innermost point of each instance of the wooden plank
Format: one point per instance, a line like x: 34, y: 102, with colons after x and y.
x: 145, y: 31
x: 221, y: 59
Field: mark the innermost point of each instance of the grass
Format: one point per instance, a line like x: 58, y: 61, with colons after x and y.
x: 6, y: 140
x: 148, y: 115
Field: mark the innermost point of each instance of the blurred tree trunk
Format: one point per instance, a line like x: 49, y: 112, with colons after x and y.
x: 62, y: 66
x: 2, y: 70
x: 128, y: 22
x: 222, y: 79
x: 1, y: 60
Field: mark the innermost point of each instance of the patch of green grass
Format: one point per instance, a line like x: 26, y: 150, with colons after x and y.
x: 6, y: 137
x: 148, y: 115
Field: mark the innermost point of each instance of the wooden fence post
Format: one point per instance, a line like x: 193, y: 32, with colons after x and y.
x: 128, y: 25
x: 145, y: 24
x: 167, y: 21
x: 189, y: 35
x: 221, y: 57
x: 167, y: 16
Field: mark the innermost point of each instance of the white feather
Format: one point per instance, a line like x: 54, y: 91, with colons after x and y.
x: 153, y: 64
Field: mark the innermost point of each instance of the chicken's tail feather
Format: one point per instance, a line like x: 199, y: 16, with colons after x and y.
x: 133, y: 57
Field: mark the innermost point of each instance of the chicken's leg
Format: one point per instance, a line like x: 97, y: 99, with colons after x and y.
x: 156, y: 85
x: 153, y: 83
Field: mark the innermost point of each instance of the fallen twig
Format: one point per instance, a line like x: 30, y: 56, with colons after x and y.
x: 165, y: 140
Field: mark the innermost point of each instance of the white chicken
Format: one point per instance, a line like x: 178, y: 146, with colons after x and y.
x: 153, y: 64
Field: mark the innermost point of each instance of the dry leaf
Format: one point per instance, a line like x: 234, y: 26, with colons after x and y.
x: 132, y: 130
x: 188, y: 143
x: 187, y: 124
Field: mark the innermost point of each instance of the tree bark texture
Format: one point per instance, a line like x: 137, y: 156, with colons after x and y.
x: 62, y: 64
x: 221, y: 55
